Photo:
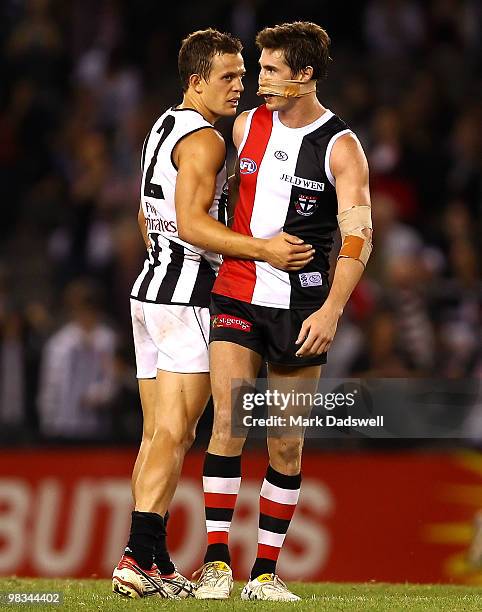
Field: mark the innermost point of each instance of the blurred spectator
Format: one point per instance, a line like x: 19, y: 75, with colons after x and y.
x: 387, y: 156
x: 394, y: 28
x: 394, y: 239
x: 382, y: 354
x: 407, y: 293
x: 457, y: 297
x: 77, y: 371
x: 34, y: 48
x: 465, y: 174
x: 12, y: 372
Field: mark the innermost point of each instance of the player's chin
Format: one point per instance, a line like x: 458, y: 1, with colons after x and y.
x: 272, y: 102
x: 231, y: 107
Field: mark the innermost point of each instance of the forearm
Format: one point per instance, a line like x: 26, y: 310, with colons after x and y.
x: 347, y: 275
x: 205, y: 232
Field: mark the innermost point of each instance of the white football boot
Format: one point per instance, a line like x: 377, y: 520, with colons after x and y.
x: 178, y: 585
x: 215, y: 581
x: 130, y: 580
x: 268, y: 587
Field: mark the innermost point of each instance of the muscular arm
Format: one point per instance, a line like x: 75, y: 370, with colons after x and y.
x: 199, y: 158
x: 350, y: 168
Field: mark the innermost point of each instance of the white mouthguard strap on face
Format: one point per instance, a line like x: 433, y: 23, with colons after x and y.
x: 286, y: 89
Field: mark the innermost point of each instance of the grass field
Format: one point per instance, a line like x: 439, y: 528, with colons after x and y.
x: 87, y: 595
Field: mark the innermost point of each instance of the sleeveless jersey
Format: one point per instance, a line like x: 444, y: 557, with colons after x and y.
x: 286, y: 185
x: 175, y: 272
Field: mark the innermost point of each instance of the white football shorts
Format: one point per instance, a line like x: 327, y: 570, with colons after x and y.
x: 170, y: 337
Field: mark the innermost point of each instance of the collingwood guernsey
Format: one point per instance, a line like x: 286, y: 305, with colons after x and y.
x: 175, y: 272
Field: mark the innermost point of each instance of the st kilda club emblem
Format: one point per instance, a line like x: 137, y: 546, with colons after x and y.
x: 306, y: 204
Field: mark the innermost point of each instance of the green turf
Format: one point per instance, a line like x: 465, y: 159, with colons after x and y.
x: 87, y: 595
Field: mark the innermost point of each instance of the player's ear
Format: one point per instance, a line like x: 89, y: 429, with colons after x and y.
x: 305, y: 75
x: 195, y: 81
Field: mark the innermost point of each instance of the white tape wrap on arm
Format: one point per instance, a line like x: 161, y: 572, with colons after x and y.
x: 354, y: 243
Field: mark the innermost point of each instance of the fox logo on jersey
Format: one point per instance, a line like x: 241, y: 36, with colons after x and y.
x: 306, y: 204
x: 247, y: 166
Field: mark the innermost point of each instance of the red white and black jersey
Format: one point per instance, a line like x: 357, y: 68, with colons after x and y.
x: 175, y: 272
x: 286, y: 185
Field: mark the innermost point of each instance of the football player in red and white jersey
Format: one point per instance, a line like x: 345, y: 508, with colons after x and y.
x: 301, y: 170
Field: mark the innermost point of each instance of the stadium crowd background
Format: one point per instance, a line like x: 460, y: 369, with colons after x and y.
x: 82, y: 82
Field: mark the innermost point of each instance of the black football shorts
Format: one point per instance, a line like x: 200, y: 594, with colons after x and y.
x: 271, y: 332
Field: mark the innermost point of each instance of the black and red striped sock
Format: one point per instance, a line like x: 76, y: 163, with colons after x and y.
x: 221, y: 482
x: 278, y: 499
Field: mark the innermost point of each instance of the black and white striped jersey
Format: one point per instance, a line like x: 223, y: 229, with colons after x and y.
x: 175, y: 272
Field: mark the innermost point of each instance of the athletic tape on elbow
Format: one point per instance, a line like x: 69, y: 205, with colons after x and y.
x: 352, y: 222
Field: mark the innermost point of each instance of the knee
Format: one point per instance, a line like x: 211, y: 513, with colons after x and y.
x: 178, y: 438
x: 188, y: 439
x: 285, y: 455
x: 222, y: 441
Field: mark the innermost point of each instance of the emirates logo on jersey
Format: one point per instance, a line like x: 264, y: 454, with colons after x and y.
x: 306, y: 204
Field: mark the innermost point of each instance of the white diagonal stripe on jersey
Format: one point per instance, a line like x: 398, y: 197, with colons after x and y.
x: 246, y: 130
x: 217, y: 526
x: 270, y: 538
x: 279, y: 495
x: 187, y: 279
x: 214, y: 484
x: 159, y: 274
x: 140, y: 278
x: 273, y: 287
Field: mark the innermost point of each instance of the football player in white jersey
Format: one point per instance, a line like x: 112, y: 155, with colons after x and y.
x: 183, y: 165
x: 301, y: 170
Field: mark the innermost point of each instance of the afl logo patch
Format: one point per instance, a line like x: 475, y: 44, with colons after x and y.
x: 311, y: 279
x: 281, y: 155
x: 306, y: 205
x: 247, y: 166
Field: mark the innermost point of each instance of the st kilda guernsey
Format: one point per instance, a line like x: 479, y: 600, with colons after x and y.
x: 286, y: 185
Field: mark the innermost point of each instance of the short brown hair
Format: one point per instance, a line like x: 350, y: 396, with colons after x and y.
x: 198, y: 49
x: 303, y: 44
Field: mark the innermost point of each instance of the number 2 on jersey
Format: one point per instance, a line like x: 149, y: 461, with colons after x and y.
x: 152, y: 190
